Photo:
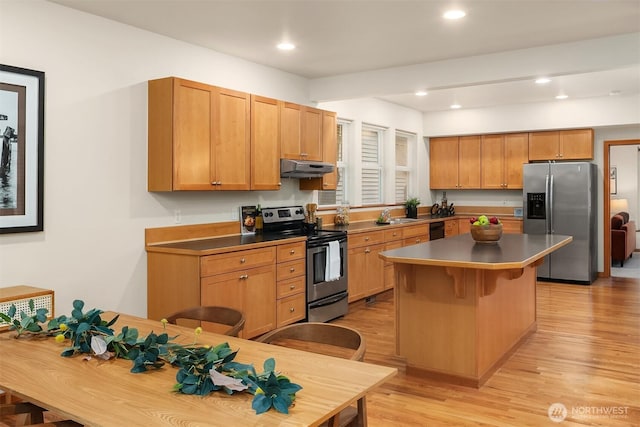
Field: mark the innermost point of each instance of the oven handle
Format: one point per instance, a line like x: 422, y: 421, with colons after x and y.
x: 312, y: 244
x: 329, y: 301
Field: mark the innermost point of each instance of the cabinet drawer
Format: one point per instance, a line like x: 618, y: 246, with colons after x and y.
x: 291, y: 309
x: 415, y: 230
x: 364, y: 239
x: 290, y: 287
x: 288, y: 270
x: 291, y: 251
x: 234, y: 261
x: 451, y: 228
x: 416, y: 239
x: 395, y: 233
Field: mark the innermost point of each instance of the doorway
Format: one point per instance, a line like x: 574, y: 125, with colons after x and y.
x: 606, y: 198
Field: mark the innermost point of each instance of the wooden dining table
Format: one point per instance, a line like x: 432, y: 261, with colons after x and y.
x: 97, y: 392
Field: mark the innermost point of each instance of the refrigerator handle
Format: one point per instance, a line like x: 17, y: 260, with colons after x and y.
x: 550, y: 206
x: 547, y: 213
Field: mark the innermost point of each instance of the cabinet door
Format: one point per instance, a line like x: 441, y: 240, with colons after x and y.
x: 328, y: 181
x: 469, y: 162
x: 576, y: 144
x: 290, y: 130
x: 443, y: 163
x: 260, y: 302
x: 311, y: 143
x: 252, y: 291
x: 192, y: 114
x: 492, y: 161
x: 374, y: 279
x: 544, y: 145
x: 265, y: 143
x: 450, y: 228
x: 464, y: 226
x: 357, y: 273
x: 516, y: 154
x: 389, y: 272
x: 232, y: 139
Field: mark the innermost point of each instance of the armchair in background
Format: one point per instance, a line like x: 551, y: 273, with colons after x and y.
x: 623, y: 237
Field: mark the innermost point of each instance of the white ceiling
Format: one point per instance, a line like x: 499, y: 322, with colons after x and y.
x: 355, y: 38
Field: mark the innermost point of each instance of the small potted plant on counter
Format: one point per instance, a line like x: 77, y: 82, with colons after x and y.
x: 411, y: 207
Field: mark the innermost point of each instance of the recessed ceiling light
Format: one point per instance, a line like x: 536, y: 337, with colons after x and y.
x: 614, y: 93
x: 421, y: 93
x: 543, y: 80
x: 455, y: 106
x: 562, y: 96
x: 454, y: 14
x: 286, y: 46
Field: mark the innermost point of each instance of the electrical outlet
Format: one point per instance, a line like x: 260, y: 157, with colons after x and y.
x: 177, y: 216
x: 234, y: 214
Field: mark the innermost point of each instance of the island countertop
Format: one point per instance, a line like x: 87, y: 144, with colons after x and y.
x: 512, y: 251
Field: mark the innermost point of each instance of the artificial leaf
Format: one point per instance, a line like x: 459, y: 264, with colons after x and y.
x: 5, y: 318
x: 98, y: 345
x: 12, y: 311
x: 112, y: 321
x: 281, y: 404
x: 68, y: 352
x: 31, y: 306
x: 82, y: 327
x: 269, y: 365
x: 228, y: 382
x: 261, y: 403
x: 78, y: 304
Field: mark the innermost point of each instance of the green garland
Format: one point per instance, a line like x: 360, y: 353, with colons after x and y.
x: 202, y: 369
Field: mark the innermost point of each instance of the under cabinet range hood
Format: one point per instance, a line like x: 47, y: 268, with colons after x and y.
x: 303, y: 168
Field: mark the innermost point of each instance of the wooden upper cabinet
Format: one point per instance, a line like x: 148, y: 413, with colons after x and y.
x: 232, y: 140
x: 328, y: 181
x: 311, y: 144
x: 179, y: 135
x: 502, y: 157
x: 516, y: 153
x: 301, y: 129
x: 443, y: 163
x: 574, y: 144
x: 265, y: 143
x: 291, y: 130
x: 454, y: 162
x: 469, y: 162
x: 198, y: 137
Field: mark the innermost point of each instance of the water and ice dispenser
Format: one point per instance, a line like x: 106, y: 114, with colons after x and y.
x: 536, y: 206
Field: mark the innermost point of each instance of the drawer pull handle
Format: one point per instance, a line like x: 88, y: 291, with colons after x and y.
x: 292, y: 287
x: 242, y: 260
x: 244, y: 276
x: 291, y: 310
x: 366, y: 239
x: 292, y: 251
x: 291, y: 270
x: 366, y: 251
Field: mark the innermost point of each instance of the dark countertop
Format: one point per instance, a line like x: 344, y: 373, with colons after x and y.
x: 512, y: 251
x: 216, y: 245
x: 368, y: 226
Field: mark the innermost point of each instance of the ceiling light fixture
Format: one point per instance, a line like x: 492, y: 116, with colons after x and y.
x: 615, y: 93
x: 456, y: 106
x: 454, y: 14
x: 286, y: 46
x: 421, y: 93
x: 562, y: 96
x: 543, y: 80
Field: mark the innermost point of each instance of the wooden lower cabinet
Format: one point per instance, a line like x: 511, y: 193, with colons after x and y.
x: 291, y: 284
x: 366, y: 270
x: 415, y: 234
x: 450, y: 228
x: 251, y: 291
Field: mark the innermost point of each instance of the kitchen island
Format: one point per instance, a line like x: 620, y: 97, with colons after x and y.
x: 462, y: 308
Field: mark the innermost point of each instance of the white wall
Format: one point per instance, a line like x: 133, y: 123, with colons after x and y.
x: 96, y: 205
x: 392, y: 117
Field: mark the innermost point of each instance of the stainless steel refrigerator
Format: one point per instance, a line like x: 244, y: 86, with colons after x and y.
x: 560, y: 198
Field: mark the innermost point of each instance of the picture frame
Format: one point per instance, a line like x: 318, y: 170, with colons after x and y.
x: 21, y: 149
x: 613, y: 180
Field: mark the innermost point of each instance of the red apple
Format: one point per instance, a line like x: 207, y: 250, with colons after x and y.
x: 494, y: 220
x: 473, y: 219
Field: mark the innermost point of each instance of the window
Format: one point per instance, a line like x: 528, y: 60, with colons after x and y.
x: 403, y: 167
x: 338, y: 196
x: 371, y: 189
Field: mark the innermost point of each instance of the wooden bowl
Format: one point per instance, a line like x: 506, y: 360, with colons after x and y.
x: 490, y: 233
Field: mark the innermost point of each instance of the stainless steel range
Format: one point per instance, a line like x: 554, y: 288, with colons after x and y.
x: 326, y: 261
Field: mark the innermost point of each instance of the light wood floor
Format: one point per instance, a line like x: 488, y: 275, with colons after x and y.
x: 585, y: 355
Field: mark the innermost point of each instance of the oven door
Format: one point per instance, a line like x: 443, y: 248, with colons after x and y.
x: 317, y: 286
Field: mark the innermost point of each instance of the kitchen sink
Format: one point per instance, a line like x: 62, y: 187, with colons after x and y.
x: 403, y: 220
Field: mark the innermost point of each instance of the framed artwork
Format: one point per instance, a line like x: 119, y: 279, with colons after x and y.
x: 22, y: 149
x: 613, y: 180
